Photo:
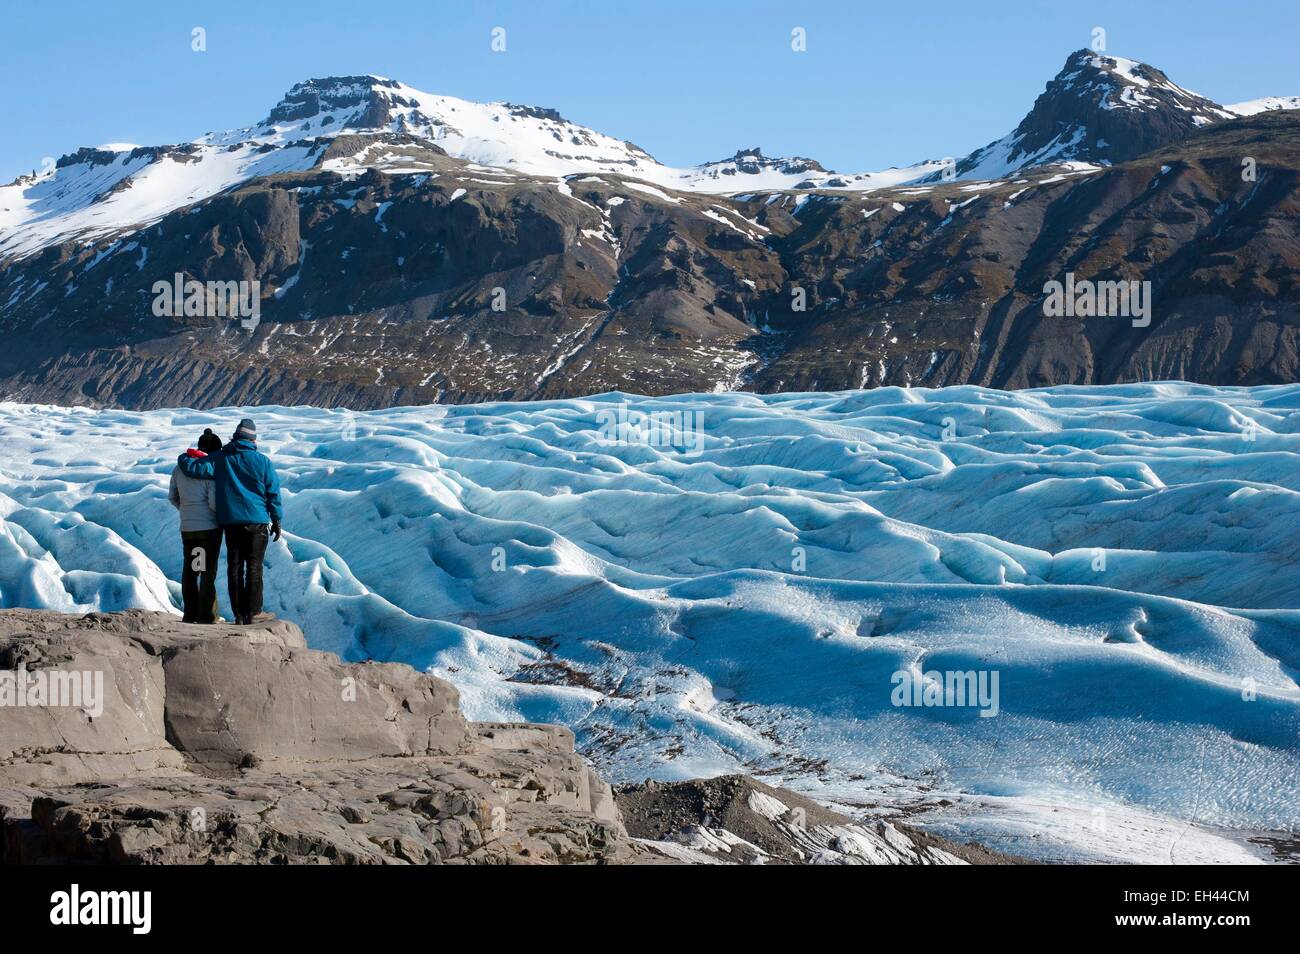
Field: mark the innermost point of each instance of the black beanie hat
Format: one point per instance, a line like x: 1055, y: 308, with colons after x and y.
x: 209, y: 442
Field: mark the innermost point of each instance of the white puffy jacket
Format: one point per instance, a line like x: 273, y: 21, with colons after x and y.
x: 195, y: 499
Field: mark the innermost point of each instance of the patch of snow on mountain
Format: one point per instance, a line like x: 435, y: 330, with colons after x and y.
x: 1266, y: 104
x: 91, y: 198
x: 1000, y: 159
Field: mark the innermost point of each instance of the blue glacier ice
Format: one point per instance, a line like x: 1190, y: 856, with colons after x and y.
x: 1125, y: 558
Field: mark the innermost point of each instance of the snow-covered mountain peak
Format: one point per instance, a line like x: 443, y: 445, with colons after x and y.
x: 752, y: 163
x: 1097, y: 110
x: 1114, y: 82
x: 529, y: 139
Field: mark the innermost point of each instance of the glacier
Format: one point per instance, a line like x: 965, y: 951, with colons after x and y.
x: 1124, y: 558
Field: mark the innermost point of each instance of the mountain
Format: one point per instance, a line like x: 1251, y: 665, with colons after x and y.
x: 410, y: 248
x: 1098, y: 110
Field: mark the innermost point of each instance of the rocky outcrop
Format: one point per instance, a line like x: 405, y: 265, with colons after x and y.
x: 733, y: 819
x: 134, y: 738
x: 224, y: 744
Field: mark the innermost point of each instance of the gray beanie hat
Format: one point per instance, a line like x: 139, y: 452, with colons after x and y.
x: 246, y: 430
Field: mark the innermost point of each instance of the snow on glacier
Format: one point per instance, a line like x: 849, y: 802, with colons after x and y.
x: 1124, y: 557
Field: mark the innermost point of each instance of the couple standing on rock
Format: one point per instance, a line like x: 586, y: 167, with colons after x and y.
x: 230, y: 490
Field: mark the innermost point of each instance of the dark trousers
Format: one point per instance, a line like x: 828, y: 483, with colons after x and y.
x: 199, y: 574
x: 245, y: 548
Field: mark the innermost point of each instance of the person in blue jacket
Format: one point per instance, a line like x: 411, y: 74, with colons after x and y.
x: 248, y: 500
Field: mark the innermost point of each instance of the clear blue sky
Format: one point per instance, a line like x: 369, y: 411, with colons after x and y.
x: 881, y: 83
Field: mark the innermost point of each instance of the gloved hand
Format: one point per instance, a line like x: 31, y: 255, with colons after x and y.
x: 275, y: 531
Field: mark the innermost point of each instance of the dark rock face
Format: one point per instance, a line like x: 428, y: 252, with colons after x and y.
x: 537, y: 112
x: 96, y: 157
x: 335, y: 94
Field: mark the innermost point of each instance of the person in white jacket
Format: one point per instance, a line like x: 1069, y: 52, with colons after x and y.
x: 196, y: 500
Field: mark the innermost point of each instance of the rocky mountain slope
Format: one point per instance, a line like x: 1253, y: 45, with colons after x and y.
x: 238, y: 745
x: 411, y: 248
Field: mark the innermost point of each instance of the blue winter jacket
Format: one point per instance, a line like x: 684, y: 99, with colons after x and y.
x: 247, y: 489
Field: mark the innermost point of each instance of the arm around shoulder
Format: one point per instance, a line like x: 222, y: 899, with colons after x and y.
x: 199, y: 468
